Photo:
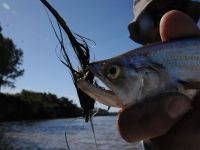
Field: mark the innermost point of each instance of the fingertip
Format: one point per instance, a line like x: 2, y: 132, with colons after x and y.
x: 176, y: 24
x: 123, y: 117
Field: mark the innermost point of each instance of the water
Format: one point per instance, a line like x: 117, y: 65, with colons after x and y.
x: 49, y: 135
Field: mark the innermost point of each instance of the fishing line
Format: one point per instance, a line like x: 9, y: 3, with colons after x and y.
x: 63, y: 50
x: 93, y: 131
x: 81, y: 49
x: 67, y: 125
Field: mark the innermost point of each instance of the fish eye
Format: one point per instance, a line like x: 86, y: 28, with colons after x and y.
x: 113, y: 71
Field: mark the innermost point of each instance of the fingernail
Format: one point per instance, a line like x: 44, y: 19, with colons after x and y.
x: 178, y: 107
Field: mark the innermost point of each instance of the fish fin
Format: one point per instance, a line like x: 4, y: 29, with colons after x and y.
x: 190, y: 84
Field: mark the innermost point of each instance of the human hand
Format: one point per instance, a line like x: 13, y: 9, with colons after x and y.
x: 152, y: 118
x: 157, y: 116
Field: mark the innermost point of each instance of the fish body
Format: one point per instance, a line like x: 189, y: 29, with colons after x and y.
x: 145, y: 72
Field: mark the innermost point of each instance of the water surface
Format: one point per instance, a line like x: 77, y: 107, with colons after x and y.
x: 49, y: 135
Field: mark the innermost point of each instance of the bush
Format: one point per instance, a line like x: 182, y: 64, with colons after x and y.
x: 31, y: 105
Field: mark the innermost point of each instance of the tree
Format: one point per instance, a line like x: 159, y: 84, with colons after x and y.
x: 10, y: 61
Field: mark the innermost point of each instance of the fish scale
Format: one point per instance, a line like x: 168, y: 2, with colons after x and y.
x: 182, y: 64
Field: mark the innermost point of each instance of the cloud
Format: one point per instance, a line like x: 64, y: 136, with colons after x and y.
x: 6, y: 6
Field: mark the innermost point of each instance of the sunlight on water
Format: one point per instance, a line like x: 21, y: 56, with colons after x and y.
x: 49, y: 135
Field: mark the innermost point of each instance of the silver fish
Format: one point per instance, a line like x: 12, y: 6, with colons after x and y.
x: 147, y: 71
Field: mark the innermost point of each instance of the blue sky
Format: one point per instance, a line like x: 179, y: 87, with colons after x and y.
x: 26, y: 22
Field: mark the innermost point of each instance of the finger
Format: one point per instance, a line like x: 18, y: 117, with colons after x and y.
x: 175, y: 24
x: 185, y: 135
x: 153, y: 118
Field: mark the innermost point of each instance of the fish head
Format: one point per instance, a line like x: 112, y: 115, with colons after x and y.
x: 129, y: 79
x: 122, y: 80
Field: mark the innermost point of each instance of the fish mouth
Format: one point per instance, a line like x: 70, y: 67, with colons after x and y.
x: 106, y: 97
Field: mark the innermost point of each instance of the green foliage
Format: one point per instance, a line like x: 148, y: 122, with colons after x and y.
x: 29, y: 105
x: 10, y: 61
x: 32, y: 105
x: 103, y: 112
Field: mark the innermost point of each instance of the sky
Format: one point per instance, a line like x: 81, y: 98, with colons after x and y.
x: 27, y: 24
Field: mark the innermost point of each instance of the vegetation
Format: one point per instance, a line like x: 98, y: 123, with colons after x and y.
x: 32, y: 105
x: 29, y: 105
x: 10, y: 61
x: 103, y: 112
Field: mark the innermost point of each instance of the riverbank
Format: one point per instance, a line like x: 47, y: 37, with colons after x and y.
x: 29, y: 105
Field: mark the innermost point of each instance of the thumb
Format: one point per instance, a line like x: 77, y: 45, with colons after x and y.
x: 152, y: 118
x: 175, y: 24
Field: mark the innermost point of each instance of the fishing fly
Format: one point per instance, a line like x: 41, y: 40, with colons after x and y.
x: 82, y: 52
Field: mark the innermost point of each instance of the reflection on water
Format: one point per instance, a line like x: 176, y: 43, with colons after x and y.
x: 49, y: 134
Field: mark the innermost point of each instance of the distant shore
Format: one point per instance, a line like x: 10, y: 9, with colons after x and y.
x: 29, y: 105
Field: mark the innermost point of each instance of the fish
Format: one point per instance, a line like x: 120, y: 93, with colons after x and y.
x: 147, y: 71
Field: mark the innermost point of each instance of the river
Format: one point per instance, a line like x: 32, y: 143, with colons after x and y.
x: 49, y: 135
